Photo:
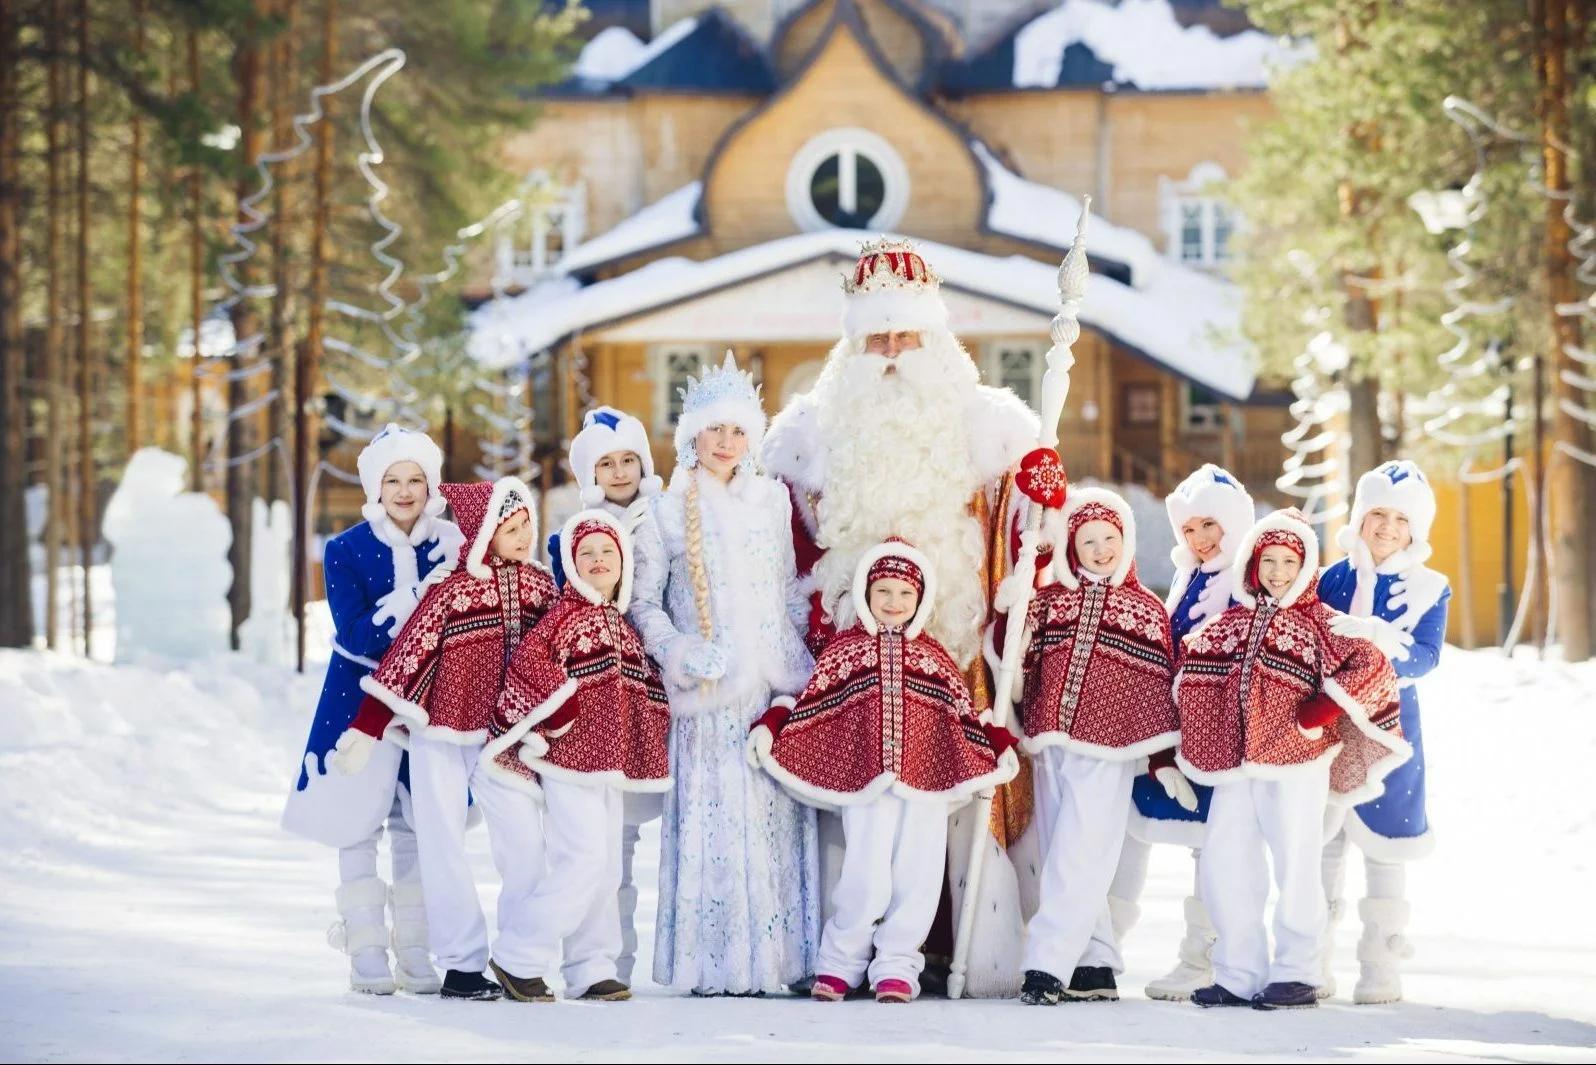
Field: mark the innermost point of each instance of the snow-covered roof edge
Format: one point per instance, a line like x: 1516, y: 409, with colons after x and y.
x: 668, y: 220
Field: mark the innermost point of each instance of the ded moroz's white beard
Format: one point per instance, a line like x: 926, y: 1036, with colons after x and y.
x: 899, y: 464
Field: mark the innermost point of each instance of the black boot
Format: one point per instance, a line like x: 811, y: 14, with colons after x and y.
x: 1041, y: 989
x: 473, y: 986
x: 1214, y: 995
x: 608, y: 991
x: 1286, y: 995
x: 1092, y: 983
x: 528, y: 990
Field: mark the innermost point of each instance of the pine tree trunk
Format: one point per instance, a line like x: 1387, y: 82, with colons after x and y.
x: 1566, y: 480
x: 310, y: 352
x: 280, y: 88
x: 55, y: 356
x: 88, y: 501
x: 240, y: 478
x: 196, y: 290
x: 16, y: 599
x: 135, y: 263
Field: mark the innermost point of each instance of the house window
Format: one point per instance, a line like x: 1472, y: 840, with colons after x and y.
x: 1018, y: 366
x: 1204, y: 410
x: 1197, y: 223
x: 1140, y: 406
x: 847, y: 179
x: 670, y: 367
x: 553, y: 220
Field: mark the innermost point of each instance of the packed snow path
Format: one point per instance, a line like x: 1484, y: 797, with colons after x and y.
x: 152, y: 910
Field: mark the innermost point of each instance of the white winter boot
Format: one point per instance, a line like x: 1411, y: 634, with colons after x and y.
x: 1122, y: 917
x: 1196, y: 967
x: 362, y: 933
x: 1327, y: 949
x: 411, y: 953
x: 1381, y: 951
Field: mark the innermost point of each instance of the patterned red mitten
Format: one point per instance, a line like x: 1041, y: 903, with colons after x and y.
x: 372, y: 718
x: 1000, y: 738
x: 1164, y: 759
x: 821, y: 627
x: 1041, y: 477
x: 1317, y: 712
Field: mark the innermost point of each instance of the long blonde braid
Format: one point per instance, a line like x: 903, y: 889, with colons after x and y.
x: 695, y: 558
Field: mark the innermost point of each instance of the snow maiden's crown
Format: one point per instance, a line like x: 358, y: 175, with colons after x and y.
x: 892, y: 289
x: 725, y: 395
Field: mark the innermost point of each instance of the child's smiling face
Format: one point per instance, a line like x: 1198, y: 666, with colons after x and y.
x: 618, y: 475
x: 598, y: 562
x: 1098, y: 546
x: 1385, y: 530
x: 1202, y: 536
x: 512, y: 541
x: 893, y: 601
x: 1278, y: 566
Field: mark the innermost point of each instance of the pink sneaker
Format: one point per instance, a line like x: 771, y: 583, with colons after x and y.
x: 829, y: 989
x: 894, y: 991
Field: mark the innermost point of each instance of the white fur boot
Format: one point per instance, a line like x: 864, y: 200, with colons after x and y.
x: 1196, y: 966
x: 1337, y: 909
x: 413, y: 969
x: 362, y: 933
x: 1381, y: 951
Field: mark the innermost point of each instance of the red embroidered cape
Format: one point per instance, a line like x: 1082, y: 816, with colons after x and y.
x: 883, y: 711
x: 444, y: 673
x: 1245, y: 674
x: 582, y: 681
x: 1099, y: 671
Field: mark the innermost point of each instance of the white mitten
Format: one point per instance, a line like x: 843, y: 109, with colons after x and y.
x: 397, y: 606
x: 1177, y: 787
x: 758, y: 745
x: 704, y: 661
x: 353, y: 752
x: 533, y: 746
x: 1392, y: 641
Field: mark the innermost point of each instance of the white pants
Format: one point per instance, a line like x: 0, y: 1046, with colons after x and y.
x: 887, y: 892
x: 1082, y: 810
x: 358, y: 861
x: 1286, y: 818
x: 639, y: 808
x: 1131, y: 876
x: 442, y: 776
x: 575, y: 901
x: 1381, y: 880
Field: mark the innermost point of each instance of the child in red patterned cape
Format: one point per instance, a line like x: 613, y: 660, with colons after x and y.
x: 1280, y: 714
x: 1096, y: 700
x: 583, y: 723
x: 438, y: 687
x: 885, y: 732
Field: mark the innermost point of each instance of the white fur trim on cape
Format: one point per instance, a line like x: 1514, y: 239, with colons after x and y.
x: 1310, y: 562
x: 861, y: 587
x: 538, y: 714
x: 894, y: 310
x: 1400, y: 749
x: 1416, y: 590
x: 1000, y: 428
x: 1073, y: 502
x: 1256, y: 770
x: 1034, y: 745
x: 792, y: 448
x: 477, y: 555
x: 826, y: 799
x: 623, y: 592
x: 1176, y: 832
x: 1387, y: 848
x: 414, y: 715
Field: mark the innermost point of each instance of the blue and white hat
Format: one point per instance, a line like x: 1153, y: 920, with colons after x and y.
x: 1400, y: 485
x: 605, y: 430
x: 398, y: 444
x: 720, y: 396
x: 1210, y: 492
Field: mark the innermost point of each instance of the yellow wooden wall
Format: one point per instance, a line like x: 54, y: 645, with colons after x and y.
x: 1481, y: 565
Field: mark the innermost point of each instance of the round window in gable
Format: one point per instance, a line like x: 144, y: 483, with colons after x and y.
x: 847, y: 179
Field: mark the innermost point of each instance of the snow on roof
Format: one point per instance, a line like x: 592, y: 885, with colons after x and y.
x: 1146, y: 46
x: 667, y: 219
x: 1181, y: 320
x: 1043, y: 214
x: 616, y: 52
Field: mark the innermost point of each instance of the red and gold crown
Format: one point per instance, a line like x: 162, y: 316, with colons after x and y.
x: 892, y: 288
x: 889, y: 263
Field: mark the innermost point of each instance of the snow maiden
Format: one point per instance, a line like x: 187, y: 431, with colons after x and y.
x: 1209, y: 513
x: 1394, y: 600
x: 717, y: 606
x: 886, y: 733
x: 1280, y: 713
x: 582, y: 725
x: 1096, y: 700
x: 375, y: 573
x: 439, y: 684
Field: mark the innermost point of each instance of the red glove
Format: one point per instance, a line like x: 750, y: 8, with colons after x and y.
x: 1164, y: 759
x: 1000, y: 738
x: 372, y: 717
x: 821, y: 627
x: 1317, y: 712
x: 773, y: 719
x: 1041, y: 477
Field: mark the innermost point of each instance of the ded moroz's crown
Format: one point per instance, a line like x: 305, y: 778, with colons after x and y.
x: 889, y: 263
x: 892, y: 288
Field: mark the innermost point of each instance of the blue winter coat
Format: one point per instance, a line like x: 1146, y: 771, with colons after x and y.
x: 1395, y: 827
x: 359, y: 570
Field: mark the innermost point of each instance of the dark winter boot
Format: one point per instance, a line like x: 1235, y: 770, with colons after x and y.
x: 473, y: 986
x: 1286, y: 995
x: 607, y: 991
x: 1092, y: 983
x: 1214, y: 995
x: 529, y: 990
x: 1041, y: 989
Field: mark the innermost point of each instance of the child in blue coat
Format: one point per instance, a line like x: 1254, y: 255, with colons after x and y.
x: 1390, y: 597
x: 375, y: 574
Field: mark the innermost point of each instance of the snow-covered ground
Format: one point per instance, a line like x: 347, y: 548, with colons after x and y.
x: 150, y: 908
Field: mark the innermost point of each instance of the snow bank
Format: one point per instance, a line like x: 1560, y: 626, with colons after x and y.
x: 1146, y: 46
x: 669, y: 218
